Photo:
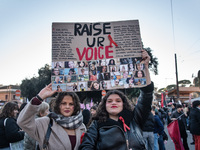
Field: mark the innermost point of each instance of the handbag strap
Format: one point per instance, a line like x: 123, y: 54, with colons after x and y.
x: 5, y: 122
x: 47, y: 136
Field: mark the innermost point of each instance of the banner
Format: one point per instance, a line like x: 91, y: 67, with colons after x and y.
x: 162, y: 100
x: 174, y: 133
x: 97, y: 56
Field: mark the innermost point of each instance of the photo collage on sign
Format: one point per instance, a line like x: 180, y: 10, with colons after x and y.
x: 98, y: 74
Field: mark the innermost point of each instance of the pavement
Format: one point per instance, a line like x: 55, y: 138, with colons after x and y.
x: 169, y: 145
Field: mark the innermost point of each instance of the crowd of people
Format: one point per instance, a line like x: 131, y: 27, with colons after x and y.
x: 115, y: 124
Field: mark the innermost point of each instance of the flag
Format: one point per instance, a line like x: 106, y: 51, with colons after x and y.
x: 162, y: 100
x: 174, y: 133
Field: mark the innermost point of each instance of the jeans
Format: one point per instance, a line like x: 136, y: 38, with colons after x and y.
x: 149, y: 140
x: 161, y: 143
x: 156, y: 141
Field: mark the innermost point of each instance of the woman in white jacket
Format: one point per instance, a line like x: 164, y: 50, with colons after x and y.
x: 67, y: 119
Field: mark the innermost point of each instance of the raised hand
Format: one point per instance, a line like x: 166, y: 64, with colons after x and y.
x: 46, y: 91
x: 145, y: 58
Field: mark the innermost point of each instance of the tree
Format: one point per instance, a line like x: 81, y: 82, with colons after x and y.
x: 31, y: 87
x: 170, y: 87
x: 153, y: 65
x: 183, y: 83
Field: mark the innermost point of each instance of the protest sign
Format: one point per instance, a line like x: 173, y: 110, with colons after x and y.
x: 97, y: 56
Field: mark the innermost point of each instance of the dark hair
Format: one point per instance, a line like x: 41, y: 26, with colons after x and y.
x: 93, y: 107
x: 86, y: 116
x: 102, y: 114
x: 57, y: 63
x: 92, y: 86
x: 136, y: 73
x: 195, y: 104
x: 8, y: 109
x: 129, y: 67
x: 73, y: 71
x: 153, y: 108
x: 59, y: 99
x: 179, y: 106
x: 138, y: 63
x: 80, y: 63
x: 111, y: 63
x: 22, y: 106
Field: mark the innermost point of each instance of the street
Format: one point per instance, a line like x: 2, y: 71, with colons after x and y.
x: 170, y: 145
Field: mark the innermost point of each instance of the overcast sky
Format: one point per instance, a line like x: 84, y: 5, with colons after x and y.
x: 25, y: 29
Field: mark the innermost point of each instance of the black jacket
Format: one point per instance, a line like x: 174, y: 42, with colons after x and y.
x: 110, y: 135
x: 181, y: 123
x: 10, y: 133
x: 195, y: 121
x: 149, y: 124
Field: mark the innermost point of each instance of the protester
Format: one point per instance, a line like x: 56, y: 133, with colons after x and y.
x: 67, y: 120
x: 86, y: 116
x: 9, y: 130
x: 115, y: 121
x: 180, y: 116
x: 93, y: 110
x: 29, y: 142
x: 158, y: 131
x: 195, y: 123
x: 161, y: 114
x: 148, y: 132
x: 20, y: 108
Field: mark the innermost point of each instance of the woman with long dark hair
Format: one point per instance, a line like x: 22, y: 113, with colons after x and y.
x: 9, y: 130
x: 116, y: 125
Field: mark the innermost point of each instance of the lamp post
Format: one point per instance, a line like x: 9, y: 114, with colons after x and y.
x: 177, y: 87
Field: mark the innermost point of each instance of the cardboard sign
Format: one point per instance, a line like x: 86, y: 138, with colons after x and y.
x: 97, y: 56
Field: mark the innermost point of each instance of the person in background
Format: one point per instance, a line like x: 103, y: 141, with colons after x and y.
x: 195, y: 123
x: 180, y: 116
x: 86, y: 116
x: 20, y: 108
x: 10, y: 132
x: 148, y: 132
x: 112, y: 126
x: 158, y: 131
x: 29, y: 142
x: 93, y: 110
x: 173, y: 106
x: 67, y: 120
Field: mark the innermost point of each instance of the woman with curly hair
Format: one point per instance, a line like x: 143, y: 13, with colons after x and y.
x: 116, y: 125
